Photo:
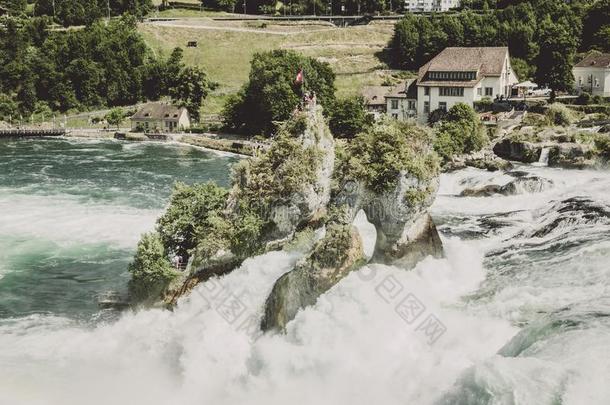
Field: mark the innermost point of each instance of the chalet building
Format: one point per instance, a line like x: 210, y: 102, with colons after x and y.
x: 419, y: 6
x: 592, y: 74
x: 374, y: 100
x: 401, y: 100
x: 160, y: 117
x: 463, y: 75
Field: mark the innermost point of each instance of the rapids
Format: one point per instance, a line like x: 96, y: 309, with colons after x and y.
x: 517, y: 313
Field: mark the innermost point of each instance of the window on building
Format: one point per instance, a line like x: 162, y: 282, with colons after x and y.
x: 451, y: 91
x: 395, y: 116
x: 394, y: 104
x: 426, y: 107
x: 596, y: 82
x: 489, y: 91
x: 479, y: 91
x: 442, y: 105
x: 426, y: 91
x: 452, y: 75
x: 580, y: 80
x: 411, y: 104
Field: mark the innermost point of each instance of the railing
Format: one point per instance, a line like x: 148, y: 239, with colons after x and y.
x: 32, y: 132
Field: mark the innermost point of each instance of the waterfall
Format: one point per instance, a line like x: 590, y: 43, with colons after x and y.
x: 544, y: 156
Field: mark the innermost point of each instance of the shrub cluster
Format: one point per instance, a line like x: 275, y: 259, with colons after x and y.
x: 151, y: 271
x: 559, y: 114
x: 377, y: 155
x: 459, y: 132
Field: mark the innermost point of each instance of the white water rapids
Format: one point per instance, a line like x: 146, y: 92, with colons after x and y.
x: 526, y: 316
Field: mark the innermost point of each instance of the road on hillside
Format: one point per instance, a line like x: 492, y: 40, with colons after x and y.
x: 183, y: 23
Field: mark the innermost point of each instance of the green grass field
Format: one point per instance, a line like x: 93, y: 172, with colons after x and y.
x: 226, y: 48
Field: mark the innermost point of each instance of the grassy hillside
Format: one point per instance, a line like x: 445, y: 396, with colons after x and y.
x: 226, y: 48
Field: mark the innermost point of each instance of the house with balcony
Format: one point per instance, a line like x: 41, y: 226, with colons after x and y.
x: 463, y: 75
x: 592, y: 74
x: 401, y: 100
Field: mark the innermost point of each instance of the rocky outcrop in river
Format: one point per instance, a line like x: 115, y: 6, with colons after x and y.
x: 304, y: 180
x: 569, y: 147
x: 332, y: 258
x: 520, y: 185
x: 394, y: 189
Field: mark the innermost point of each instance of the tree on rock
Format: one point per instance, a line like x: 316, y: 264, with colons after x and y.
x: 272, y: 93
x: 151, y: 271
x: 348, y: 117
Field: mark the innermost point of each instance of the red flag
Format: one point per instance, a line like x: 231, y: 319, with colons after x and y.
x: 300, y: 77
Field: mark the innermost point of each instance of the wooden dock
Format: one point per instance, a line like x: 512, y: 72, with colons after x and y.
x: 31, y: 133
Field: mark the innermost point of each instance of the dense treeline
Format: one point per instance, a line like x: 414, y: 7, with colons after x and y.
x: 85, y: 12
x: 102, y: 65
x: 14, y: 7
x: 542, y: 34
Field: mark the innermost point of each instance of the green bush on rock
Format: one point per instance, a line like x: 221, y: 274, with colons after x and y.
x: 332, y: 250
x: 559, y: 114
x: 378, y: 155
x: 151, y: 271
x: 602, y: 145
x: 459, y: 132
x: 188, y: 214
x: 283, y: 170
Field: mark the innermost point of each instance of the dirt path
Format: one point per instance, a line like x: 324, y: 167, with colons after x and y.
x: 183, y: 24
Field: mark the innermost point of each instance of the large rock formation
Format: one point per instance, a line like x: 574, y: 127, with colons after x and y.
x: 399, y: 215
x: 483, y: 159
x: 302, y: 181
x: 332, y: 258
x: 391, y: 173
x: 518, y: 149
x: 274, y: 194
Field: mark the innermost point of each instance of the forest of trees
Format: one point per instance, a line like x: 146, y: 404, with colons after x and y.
x: 78, y: 12
x: 102, y: 65
x: 542, y: 35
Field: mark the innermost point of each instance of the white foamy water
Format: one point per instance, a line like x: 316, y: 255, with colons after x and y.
x: 351, y: 347
x: 66, y: 219
x: 522, y: 300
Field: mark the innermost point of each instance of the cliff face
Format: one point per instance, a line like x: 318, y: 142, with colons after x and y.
x: 302, y: 181
x: 391, y: 173
x: 275, y: 193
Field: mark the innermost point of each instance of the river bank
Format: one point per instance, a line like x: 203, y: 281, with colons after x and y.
x: 215, y: 142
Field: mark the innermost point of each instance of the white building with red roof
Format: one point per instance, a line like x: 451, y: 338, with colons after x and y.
x: 463, y: 75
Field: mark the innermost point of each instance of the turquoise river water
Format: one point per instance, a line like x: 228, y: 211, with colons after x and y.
x: 72, y: 212
x: 517, y: 313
